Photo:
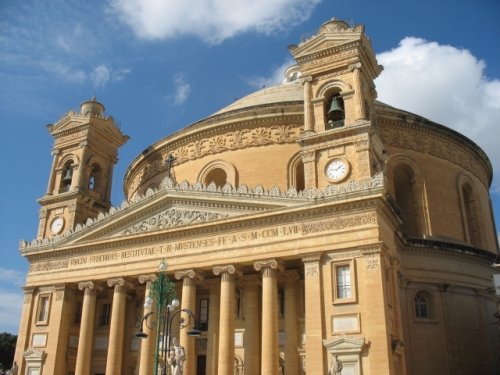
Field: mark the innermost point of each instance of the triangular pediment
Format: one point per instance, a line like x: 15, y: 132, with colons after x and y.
x: 344, y: 344
x: 184, y: 205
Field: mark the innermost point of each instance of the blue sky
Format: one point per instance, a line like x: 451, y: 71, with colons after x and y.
x: 158, y: 66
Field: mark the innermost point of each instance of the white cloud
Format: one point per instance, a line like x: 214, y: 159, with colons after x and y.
x: 446, y: 85
x: 182, y: 89
x: 12, y: 277
x: 100, y: 76
x: 275, y: 78
x: 211, y: 20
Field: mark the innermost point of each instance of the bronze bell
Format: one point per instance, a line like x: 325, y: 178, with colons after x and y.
x: 336, y: 112
x: 69, y: 175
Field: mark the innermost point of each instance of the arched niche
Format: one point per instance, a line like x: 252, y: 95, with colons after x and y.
x: 470, y: 208
x: 330, y: 105
x: 218, y: 171
x: 295, y: 172
x: 407, y: 185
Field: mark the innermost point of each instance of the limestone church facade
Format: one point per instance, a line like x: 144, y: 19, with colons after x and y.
x: 307, y: 226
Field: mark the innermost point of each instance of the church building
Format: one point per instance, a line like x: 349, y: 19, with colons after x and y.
x: 309, y: 228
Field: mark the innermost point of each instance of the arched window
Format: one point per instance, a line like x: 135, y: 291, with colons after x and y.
x: 404, y: 179
x: 423, y: 305
x: 335, y: 112
x: 95, y: 180
x: 219, y: 172
x: 66, y: 177
x: 296, y: 175
x: 470, y: 212
x: 217, y: 176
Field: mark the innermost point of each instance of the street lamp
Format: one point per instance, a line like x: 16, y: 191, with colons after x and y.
x: 163, y: 293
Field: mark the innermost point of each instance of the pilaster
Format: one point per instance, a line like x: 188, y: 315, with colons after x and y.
x: 214, y: 285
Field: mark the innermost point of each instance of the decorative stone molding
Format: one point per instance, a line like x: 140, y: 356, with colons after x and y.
x: 273, y: 264
x: 28, y: 293
x: 346, y: 349
x: 147, y: 278
x: 212, y: 284
x: 288, y: 276
x: 235, y: 140
x: 397, y: 347
x: 311, y: 257
x: 248, y: 280
x: 231, y: 269
x: 311, y: 270
x: 185, y: 217
x: 339, y: 223
x: 172, y: 217
x: 48, y: 266
x: 60, y: 289
x: 190, y: 273
x: 433, y: 145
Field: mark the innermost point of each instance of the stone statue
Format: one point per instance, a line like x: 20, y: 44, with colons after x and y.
x: 177, y: 356
x: 14, y: 368
x: 335, y: 367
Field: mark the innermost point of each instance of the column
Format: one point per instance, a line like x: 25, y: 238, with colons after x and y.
x: 228, y: 273
x: 189, y: 278
x: 213, y: 325
x: 80, y: 182
x: 289, y: 278
x: 117, y: 327
x: 58, y: 338
x: 251, y: 312
x: 270, y: 349
x: 24, y: 335
x: 83, y: 356
x: 315, y: 352
x: 308, y: 106
x: 358, y: 87
x: 146, y: 361
x: 50, y: 187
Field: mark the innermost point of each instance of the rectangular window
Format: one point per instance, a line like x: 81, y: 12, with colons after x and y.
x: 343, y: 282
x: 43, y: 309
x: 78, y: 312
x: 105, y: 315
x: 203, y: 312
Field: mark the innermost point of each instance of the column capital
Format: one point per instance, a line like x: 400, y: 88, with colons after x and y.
x: 305, y: 79
x: 119, y: 282
x: 151, y: 277
x: 249, y: 280
x: 90, y: 285
x: 28, y: 289
x: 356, y: 65
x: 311, y: 257
x: 211, y: 284
x: 231, y: 269
x: 274, y: 264
x: 288, y: 276
x: 189, y: 273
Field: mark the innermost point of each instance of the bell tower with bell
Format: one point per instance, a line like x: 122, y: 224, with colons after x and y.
x: 340, y: 140
x: 84, y: 153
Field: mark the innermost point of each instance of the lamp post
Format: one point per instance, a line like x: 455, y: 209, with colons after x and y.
x: 162, y: 293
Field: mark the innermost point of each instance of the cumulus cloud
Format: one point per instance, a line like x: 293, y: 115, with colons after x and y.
x: 182, y: 89
x: 446, y: 85
x: 211, y: 20
x: 276, y: 76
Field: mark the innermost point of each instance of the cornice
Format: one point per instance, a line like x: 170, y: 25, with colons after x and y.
x: 409, y: 121
x: 291, y: 197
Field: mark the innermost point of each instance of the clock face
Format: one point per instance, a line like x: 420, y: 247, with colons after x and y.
x: 57, y: 225
x: 336, y: 169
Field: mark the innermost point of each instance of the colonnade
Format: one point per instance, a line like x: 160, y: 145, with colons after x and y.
x: 261, y: 347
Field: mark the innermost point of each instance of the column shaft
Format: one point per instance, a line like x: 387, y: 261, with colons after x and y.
x: 291, y: 322
x: 50, y: 187
x: 315, y: 351
x: 270, y: 352
x: 146, y: 362
x: 84, y: 353
x: 213, y: 325
x: 188, y: 302
x: 251, y: 312
x: 115, y: 347
x: 226, y: 332
x: 308, y: 106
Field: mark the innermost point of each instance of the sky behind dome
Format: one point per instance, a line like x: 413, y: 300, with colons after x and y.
x: 158, y: 66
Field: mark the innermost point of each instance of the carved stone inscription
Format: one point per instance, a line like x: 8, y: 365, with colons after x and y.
x: 262, y: 236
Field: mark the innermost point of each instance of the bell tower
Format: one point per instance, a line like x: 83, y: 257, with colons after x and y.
x: 340, y: 140
x: 84, y: 153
